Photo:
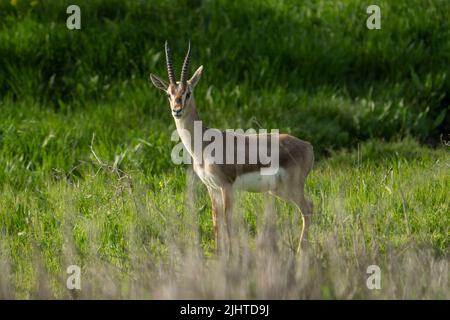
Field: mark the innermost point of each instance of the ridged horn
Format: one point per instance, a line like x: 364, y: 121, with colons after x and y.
x: 185, y: 69
x: 169, y: 64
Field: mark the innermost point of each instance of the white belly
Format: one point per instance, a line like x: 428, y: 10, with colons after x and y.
x: 256, y: 182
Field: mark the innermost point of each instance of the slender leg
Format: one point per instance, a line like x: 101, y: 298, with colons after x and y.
x: 305, y: 206
x: 292, y: 191
x: 227, y: 200
x: 216, y: 203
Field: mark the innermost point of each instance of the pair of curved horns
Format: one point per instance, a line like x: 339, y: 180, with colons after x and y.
x: 185, y: 68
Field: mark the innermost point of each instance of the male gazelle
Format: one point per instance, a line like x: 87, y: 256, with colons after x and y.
x: 295, y: 160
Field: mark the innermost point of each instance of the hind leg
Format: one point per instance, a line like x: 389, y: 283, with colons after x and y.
x: 305, y: 206
x: 293, y: 192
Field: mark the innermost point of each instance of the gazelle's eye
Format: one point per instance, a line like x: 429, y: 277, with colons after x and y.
x: 168, y: 95
x: 188, y: 95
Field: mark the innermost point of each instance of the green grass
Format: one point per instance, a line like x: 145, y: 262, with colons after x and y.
x: 86, y: 176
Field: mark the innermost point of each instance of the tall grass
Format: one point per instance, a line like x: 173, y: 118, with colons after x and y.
x: 135, y: 241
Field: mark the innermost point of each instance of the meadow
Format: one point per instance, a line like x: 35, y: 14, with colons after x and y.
x: 86, y: 176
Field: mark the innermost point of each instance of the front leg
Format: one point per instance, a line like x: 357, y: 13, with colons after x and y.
x: 217, y: 208
x: 227, y: 200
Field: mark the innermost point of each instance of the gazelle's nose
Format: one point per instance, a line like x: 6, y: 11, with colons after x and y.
x: 177, y: 112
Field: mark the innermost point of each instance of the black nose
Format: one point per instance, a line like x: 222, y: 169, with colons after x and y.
x: 177, y: 113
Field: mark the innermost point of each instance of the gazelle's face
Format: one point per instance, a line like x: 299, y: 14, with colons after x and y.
x: 179, y: 97
x: 179, y: 93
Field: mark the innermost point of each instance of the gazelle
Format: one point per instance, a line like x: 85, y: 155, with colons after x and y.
x: 296, y: 157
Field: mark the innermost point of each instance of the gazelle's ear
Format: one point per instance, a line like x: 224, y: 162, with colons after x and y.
x: 158, y: 82
x: 197, y: 74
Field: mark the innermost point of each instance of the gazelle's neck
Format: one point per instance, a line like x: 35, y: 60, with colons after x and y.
x: 191, y: 128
